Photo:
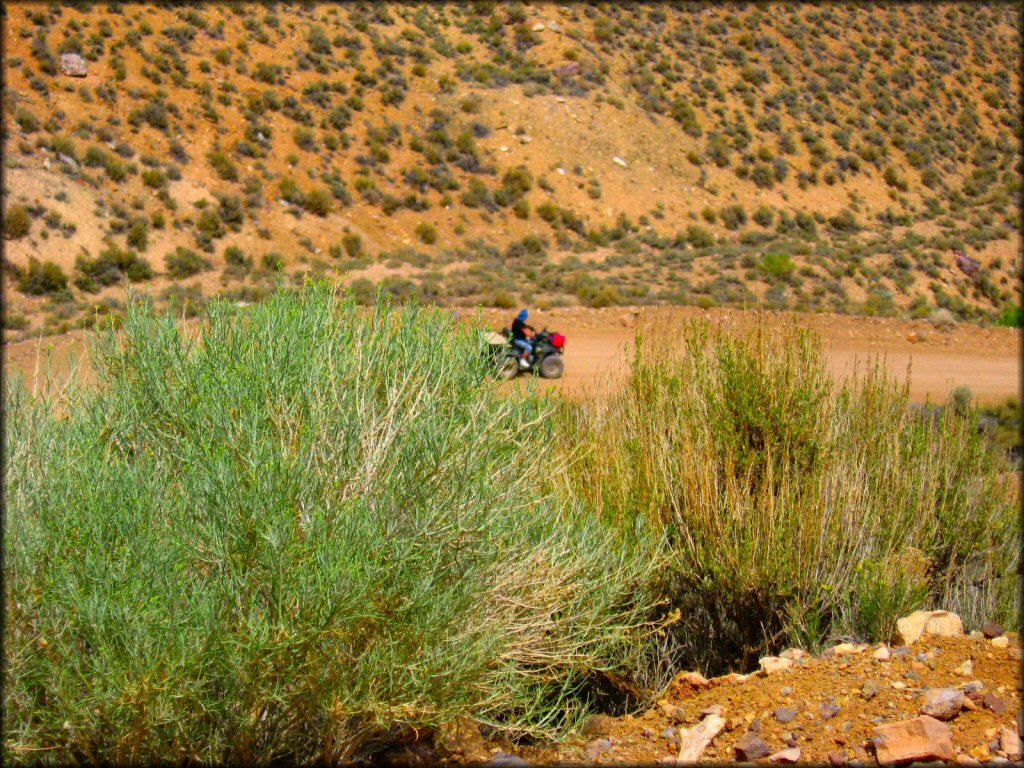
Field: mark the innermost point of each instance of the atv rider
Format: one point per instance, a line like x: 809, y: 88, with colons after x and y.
x: 521, y: 333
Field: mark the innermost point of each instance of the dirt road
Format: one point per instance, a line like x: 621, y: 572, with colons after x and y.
x: 987, y: 360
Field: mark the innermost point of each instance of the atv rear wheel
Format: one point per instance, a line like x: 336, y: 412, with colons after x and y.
x: 508, y: 368
x: 552, y: 366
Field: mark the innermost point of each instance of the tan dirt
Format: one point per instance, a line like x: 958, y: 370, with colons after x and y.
x: 750, y: 703
x: 987, y: 360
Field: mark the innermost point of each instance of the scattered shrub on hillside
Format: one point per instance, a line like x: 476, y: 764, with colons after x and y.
x: 112, y: 265
x: 17, y: 222
x: 183, y: 262
x: 426, y: 233
x: 41, y: 278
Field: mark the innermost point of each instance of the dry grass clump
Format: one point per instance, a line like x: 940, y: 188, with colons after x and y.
x: 794, y: 511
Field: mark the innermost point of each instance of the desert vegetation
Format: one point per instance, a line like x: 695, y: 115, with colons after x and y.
x: 658, y: 151
x: 368, y: 539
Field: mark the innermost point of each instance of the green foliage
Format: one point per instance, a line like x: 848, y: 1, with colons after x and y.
x: 183, y: 262
x: 1012, y: 317
x: 222, y: 163
x: 426, y: 233
x: 342, y: 554
x: 792, y: 508
x: 112, y: 265
x: 17, y: 222
x: 41, y: 278
x: 318, y: 201
x: 778, y: 266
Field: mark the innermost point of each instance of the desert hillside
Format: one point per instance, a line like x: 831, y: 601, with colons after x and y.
x: 858, y: 159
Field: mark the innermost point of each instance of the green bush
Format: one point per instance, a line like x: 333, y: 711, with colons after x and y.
x: 353, y: 245
x: 793, y: 509
x: 733, y: 216
x: 318, y: 201
x: 778, y: 266
x: 41, y: 278
x: 1012, y: 317
x: 111, y: 266
x: 342, y: 554
x: 426, y: 233
x: 17, y: 222
x: 184, y: 262
x: 699, y: 237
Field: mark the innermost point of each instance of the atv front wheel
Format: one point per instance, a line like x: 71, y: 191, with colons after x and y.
x: 552, y: 366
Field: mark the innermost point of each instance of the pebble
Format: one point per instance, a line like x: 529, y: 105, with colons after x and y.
x: 828, y: 710
x: 994, y: 703
x: 597, y: 746
x: 942, y: 703
x: 751, y: 747
x: 990, y: 629
x: 966, y: 669
x: 1001, y: 642
x: 870, y: 690
x: 785, y: 714
x: 882, y: 654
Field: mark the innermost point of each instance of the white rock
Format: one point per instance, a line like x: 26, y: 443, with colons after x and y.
x: 619, y: 161
x: 1001, y: 642
x: 1010, y: 743
x: 772, y: 664
x: 845, y: 649
x: 791, y: 755
x: 794, y: 654
x: 882, y: 654
x: 943, y: 623
x: 539, y: 26
x: 693, y: 741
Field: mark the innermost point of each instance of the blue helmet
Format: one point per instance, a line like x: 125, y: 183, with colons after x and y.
x: 522, y: 314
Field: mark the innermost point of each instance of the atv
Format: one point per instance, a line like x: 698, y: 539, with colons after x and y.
x: 545, y: 359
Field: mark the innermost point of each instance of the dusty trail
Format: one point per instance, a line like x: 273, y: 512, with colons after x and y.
x: 987, y: 360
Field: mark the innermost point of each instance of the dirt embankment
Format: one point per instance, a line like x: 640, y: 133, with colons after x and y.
x: 847, y: 705
x: 987, y: 360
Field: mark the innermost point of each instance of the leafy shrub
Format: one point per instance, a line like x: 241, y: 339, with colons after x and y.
x: 318, y: 201
x: 426, y: 233
x: 111, y: 266
x: 733, y: 216
x: 353, y: 245
x: 27, y: 121
x: 1012, y: 317
x: 222, y: 163
x: 227, y: 504
x: 778, y: 266
x: 699, y: 237
x: 41, y: 278
x: 17, y: 222
x: 184, y: 262
x: 792, y: 509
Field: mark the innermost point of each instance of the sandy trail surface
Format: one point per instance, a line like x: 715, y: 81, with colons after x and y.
x: 599, y: 341
x: 987, y: 360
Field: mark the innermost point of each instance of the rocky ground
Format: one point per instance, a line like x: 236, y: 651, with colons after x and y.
x: 943, y: 695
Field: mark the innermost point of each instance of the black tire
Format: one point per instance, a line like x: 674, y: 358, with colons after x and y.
x: 552, y: 366
x: 508, y: 369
